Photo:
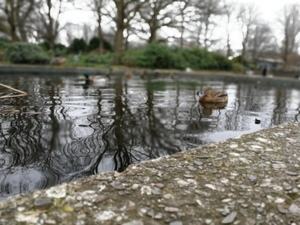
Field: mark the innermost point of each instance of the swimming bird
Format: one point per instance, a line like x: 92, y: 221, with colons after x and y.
x: 89, y: 80
x: 128, y: 73
x: 257, y: 121
x: 96, y: 80
x: 212, y: 96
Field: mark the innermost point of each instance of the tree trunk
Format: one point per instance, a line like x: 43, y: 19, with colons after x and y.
x: 198, y: 38
x: 182, y: 31
x: 243, y: 54
x: 22, y: 20
x: 11, y: 19
x: 13, y: 33
x: 285, y: 51
x: 206, y: 34
x: 182, y: 17
x: 119, y: 37
x: 228, y: 53
x: 152, y: 37
x: 244, y: 45
x: 99, y: 4
x: 153, y: 29
x: 50, y: 25
x: 228, y: 45
x: 119, y: 45
x: 100, y: 34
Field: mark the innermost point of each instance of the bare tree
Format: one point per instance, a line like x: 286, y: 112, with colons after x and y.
x: 291, y: 29
x: 199, y: 30
x: 206, y: 11
x: 72, y: 32
x: 247, y: 19
x: 125, y: 12
x: 48, y: 26
x: 122, y: 13
x: 184, y: 17
x: 155, y: 14
x: 98, y: 7
x: 261, y: 41
x: 229, y: 8
x: 87, y: 32
x: 69, y: 33
x: 16, y: 17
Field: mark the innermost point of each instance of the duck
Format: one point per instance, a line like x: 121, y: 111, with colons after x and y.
x: 96, y: 79
x: 88, y: 79
x: 257, y: 121
x: 212, y: 96
x: 128, y: 74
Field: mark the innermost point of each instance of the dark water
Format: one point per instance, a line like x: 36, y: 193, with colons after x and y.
x: 68, y: 128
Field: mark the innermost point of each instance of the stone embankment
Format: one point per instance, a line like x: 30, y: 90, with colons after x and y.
x: 251, y: 180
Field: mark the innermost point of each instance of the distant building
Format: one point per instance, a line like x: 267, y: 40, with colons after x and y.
x: 269, y: 63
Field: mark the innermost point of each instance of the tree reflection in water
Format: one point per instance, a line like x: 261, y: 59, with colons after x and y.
x: 67, y: 128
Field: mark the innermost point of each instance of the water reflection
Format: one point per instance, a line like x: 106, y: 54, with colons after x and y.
x: 207, y: 109
x: 68, y: 127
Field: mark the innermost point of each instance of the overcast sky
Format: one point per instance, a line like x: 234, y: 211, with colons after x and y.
x: 269, y: 10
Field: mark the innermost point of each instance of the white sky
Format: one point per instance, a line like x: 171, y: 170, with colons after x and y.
x: 269, y: 10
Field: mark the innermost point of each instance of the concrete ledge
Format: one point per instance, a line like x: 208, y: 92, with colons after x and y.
x: 251, y: 180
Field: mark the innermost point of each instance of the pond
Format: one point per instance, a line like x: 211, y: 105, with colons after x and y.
x: 68, y: 127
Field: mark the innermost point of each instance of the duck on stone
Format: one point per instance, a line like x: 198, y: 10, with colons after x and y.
x: 212, y: 96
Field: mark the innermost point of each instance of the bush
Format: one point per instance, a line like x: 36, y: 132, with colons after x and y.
x: 44, y: 45
x: 26, y: 53
x: 91, y: 59
x: 4, y: 43
x: 154, y: 56
x: 240, y: 60
x: 222, y: 62
x: 158, y: 56
x: 77, y: 46
x: 133, y: 58
x: 164, y: 57
x: 59, y: 50
x: 198, y: 58
x: 238, y: 68
x: 95, y: 44
x: 101, y: 59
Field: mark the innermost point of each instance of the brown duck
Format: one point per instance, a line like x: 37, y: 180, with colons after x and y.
x: 212, y: 96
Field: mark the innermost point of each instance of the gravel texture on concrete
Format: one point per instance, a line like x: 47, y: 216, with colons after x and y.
x: 251, y: 180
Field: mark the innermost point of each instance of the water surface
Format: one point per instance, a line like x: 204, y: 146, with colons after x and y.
x: 68, y: 127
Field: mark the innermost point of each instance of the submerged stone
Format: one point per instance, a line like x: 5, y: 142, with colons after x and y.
x: 42, y: 202
x: 134, y: 222
x: 176, y: 223
x: 105, y: 215
x: 229, y: 218
x: 294, y: 209
x: 31, y: 218
x: 171, y: 209
x: 57, y: 192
